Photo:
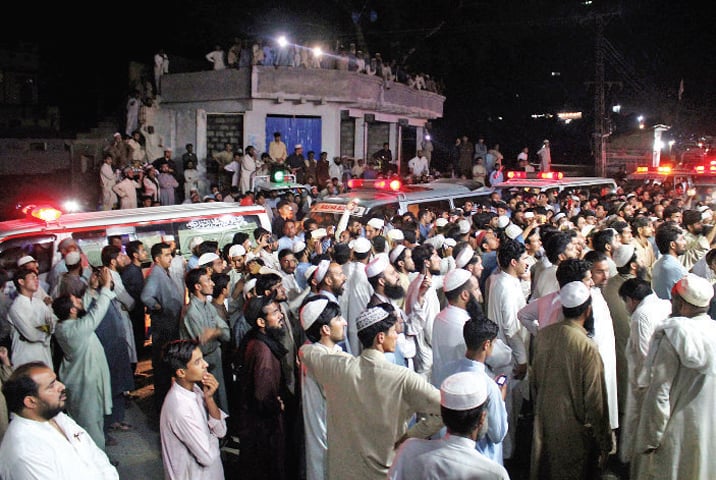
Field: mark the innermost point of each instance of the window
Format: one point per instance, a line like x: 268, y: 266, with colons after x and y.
x: 41, y: 247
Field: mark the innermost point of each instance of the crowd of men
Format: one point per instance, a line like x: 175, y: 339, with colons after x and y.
x: 343, y: 353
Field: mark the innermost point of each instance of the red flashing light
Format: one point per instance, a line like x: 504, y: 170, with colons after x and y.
x: 355, y: 183
x: 642, y: 169
x: 516, y: 174
x: 551, y: 175
x: 395, y: 185
x: 47, y: 214
x: 665, y: 170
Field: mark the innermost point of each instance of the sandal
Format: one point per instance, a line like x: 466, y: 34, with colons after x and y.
x: 121, y: 427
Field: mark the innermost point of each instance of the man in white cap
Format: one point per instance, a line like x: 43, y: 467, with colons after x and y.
x: 480, y: 335
x: 463, y: 406
x: 237, y: 257
x: 570, y: 394
x: 329, y: 280
x: 396, y: 237
x: 389, y: 395
x: 675, y: 436
x: 460, y: 288
x: 28, y: 262
x: 211, y: 260
x: 647, y: 311
x: 126, y: 189
x: 401, y: 257
x: 193, y: 261
x: 374, y: 227
x: 547, y: 310
x: 385, y: 280
x: 603, y: 332
x: 357, y: 289
x: 325, y: 327
x: 625, y: 259
x: 422, y: 305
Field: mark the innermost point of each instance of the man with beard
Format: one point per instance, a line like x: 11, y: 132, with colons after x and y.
x: 668, y: 269
x: 570, y: 394
x: 460, y: 288
x: 84, y: 367
x: 697, y: 244
x: 325, y: 328
x: 362, y: 434
x: 329, y: 279
x: 505, y: 300
x: 261, y: 422
x: 480, y: 335
x: 464, y: 408
x: 401, y: 257
x: 422, y: 305
x: 41, y: 441
x: 385, y: 281
x: 603, y: 331
x: 191, y: 423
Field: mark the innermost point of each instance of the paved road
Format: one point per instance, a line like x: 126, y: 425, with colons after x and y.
x: 138, y: 451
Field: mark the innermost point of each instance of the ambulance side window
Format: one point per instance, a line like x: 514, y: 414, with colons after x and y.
x: 41, y: 247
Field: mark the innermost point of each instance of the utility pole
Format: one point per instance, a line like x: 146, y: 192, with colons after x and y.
x: 600, y: 136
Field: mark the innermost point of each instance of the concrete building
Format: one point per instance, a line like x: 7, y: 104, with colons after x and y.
x: 340, y: 112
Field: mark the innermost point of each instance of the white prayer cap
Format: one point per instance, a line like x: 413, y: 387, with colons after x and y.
x: 396, y: 235
x: 574, y: 294
x: 298, y: 247
x: 450, y: 242
x: 441, y: 222
x: 25, y: 260
x: 395, y: 253
x: 250, y: 256
x: 369, y: 317
x: 117, y: 134
x: 706, y: 212
x: 237, y: 251
x: 308, y: 274
x: 463, y: 391
x: 207, y: 258
x: 376, y: 223
x: 437, y: 241
x: 623, y: 254
x: 297, y: 146
x: 65, y: 243
x: 377, y: 265
x: 559, y: 216
x: 464, y: 226
x: 587, y: 229
x: 513, y: 231
x: 695, y: 290
x: 319, y: 233
x: 360, y: 245
x: 269, y: 271
x: 503, y: 221
x: 311, y: 311
x: 195, y: 242
x: 248, y: 286
x: 72, y: 258
x: 322, y: 270
x: 455, y: 279
x: 464, y: 257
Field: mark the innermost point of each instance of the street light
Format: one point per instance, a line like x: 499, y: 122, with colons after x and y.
x: 317, y: 52
x: 282, y: 41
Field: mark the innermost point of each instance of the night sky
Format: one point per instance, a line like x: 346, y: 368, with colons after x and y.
x: 500, y: 61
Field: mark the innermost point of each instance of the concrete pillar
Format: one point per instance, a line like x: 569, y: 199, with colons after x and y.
x: 361, y: 138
